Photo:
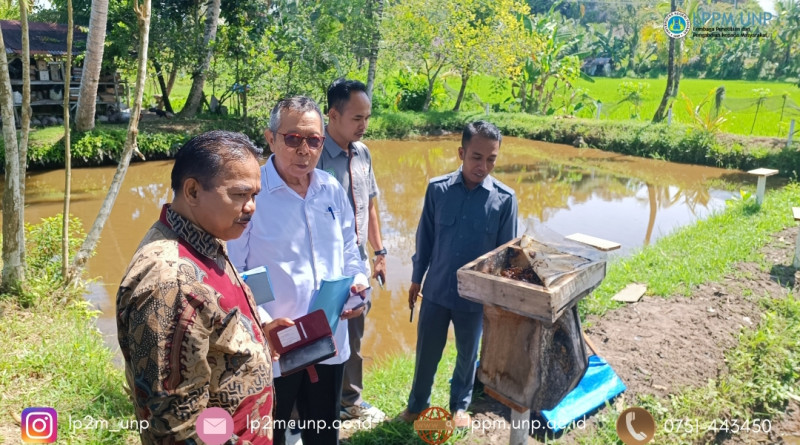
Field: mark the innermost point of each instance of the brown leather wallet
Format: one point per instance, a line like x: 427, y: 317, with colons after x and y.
x: 305, y: 344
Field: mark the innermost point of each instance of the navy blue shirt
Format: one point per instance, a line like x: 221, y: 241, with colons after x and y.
x: 457, y: 226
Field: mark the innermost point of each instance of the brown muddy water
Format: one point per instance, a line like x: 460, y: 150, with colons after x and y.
x: 629, y: 200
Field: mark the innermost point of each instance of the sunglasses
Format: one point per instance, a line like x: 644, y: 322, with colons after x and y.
x: 295, y: 140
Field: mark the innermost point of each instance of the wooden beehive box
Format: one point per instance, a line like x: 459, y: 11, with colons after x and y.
x: 482, y: 281
x: 526, y: 364
x: 533, y: 351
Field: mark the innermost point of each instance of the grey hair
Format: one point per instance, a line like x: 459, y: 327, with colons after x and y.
x: 300, y: 104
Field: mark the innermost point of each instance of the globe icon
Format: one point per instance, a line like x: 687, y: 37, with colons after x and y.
x: 435, y: 437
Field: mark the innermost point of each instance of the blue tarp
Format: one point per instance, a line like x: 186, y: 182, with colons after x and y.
x: 599, y: 384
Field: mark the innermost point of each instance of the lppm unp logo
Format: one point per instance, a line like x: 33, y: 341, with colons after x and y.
x: 677, y: 24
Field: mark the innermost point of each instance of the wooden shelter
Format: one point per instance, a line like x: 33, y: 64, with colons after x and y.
x: 48, y: 50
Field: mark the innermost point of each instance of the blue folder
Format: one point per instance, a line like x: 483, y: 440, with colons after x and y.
x: 599, y: 384
x: 260, y: 284
x: 331, y: 298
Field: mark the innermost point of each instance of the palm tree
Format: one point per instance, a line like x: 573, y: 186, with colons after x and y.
x: 95, y: 41
x: 195, y: 98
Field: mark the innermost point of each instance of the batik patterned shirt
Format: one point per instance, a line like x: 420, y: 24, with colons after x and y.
x: 191, y: 337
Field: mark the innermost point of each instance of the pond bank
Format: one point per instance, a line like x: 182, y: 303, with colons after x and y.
x: 160, y: 138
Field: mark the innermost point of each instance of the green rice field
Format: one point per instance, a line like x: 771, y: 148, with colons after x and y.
x: 741, y: 100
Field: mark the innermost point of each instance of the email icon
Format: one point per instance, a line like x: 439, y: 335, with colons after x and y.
x: 214, y: 426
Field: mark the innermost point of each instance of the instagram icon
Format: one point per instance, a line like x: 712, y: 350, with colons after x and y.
x: 39, y: 425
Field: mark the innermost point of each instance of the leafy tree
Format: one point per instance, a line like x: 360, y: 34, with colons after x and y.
x: 242, y: 38
x: 418, y: 30
x: 632, y: 20
x: 483, y: 38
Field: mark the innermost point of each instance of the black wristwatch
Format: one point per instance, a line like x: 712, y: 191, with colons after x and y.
x: 381, y: 252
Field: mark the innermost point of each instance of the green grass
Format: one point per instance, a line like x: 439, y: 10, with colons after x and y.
x: 55, y: 357
x: 768, y: 122
x: 763, y: 372
x: 387, y: 386
x: 700, y: 253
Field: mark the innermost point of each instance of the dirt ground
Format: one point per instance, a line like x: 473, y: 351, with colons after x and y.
x: 660, y: 345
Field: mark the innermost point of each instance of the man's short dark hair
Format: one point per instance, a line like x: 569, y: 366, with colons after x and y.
x: 205, y: 156
x: 300, y: 104
x: 340, y: 90
x: 482, y: 128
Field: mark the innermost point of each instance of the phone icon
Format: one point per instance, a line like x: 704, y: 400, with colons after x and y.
x: 635, y: 426
x: 629, y: 424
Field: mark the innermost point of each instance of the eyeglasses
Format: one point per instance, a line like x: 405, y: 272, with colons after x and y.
x: 295, y: 140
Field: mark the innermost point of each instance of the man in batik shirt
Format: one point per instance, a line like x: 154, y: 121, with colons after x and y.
x: 187, y: 325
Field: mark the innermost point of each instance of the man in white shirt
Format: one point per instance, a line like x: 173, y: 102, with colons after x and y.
x: 303, y: 233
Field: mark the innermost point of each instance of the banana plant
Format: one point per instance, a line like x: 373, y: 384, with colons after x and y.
x: 708, y: 121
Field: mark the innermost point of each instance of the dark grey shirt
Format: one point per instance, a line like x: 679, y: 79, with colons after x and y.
x: 457, y: 226
x: 356, y: 176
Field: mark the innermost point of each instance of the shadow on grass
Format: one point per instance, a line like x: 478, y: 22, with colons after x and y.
x: 784, y: 275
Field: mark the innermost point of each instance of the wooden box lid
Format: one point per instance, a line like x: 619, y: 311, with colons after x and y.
x: 481, y: 281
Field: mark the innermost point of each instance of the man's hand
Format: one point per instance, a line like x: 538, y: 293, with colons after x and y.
x: 379, y: 268
x: 413, y: 293
x: 352, y: 313
x: 356, y: 289
x: 272, y: 325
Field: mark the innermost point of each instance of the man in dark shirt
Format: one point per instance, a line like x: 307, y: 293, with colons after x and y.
x: 466, y: 214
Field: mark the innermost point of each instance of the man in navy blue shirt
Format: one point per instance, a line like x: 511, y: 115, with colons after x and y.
x: 466, y: 214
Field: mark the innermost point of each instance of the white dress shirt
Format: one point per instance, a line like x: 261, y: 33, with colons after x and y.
x: 301, y: 241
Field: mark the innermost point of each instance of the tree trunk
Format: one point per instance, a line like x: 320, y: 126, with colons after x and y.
x: 25, y: 112
x: 523, y: 92
x: 163, y: 85
x: 244, y: 104
x: 428, y: 95
x: 143, y: 16
x: 464, y: 79
x: 431, y: 83
x: 662, y: 107
x: 13, y: 200
x: 199, y: 76
x: 678, y: 69
x: 173, y: 74
x: 634, y: 45
x: 289, y: 78
x: 93, y: 63
x: 67, y: 150
x: 374, y: 47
